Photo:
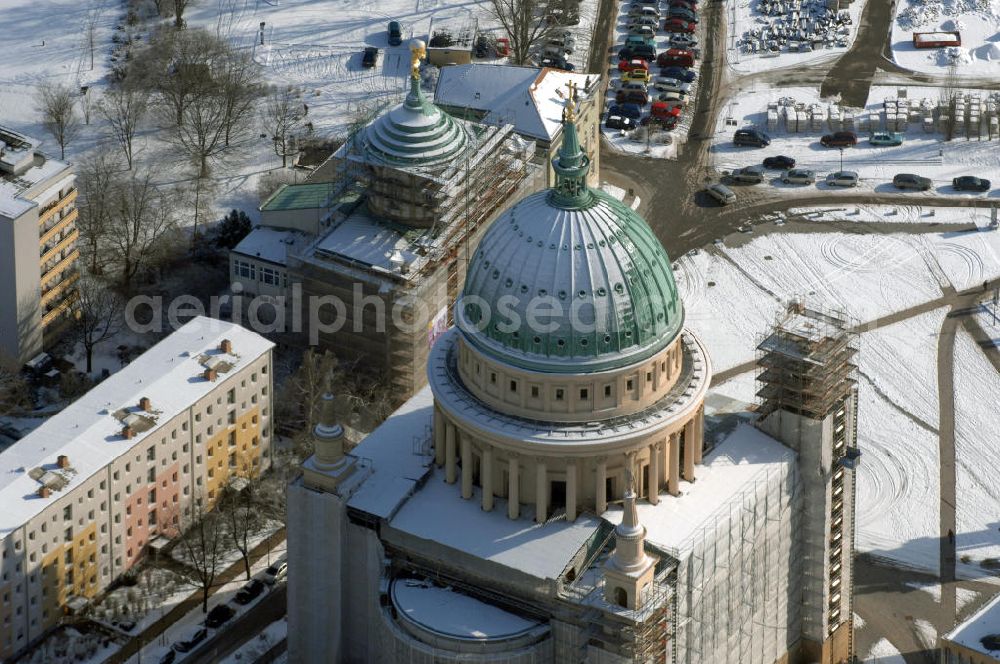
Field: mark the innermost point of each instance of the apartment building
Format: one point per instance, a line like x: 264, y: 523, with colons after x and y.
x: 38, y: 252
x: 84, y: 493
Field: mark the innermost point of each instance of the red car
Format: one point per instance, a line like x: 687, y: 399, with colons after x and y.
x: 675, y: 57
x: 664, y: 111
x: 678, y: 25
x: 634, y: 63
x: 631, y: 97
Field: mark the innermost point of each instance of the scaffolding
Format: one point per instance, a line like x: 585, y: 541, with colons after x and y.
x: 807, y: 364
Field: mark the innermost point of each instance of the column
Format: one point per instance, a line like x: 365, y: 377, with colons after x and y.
x: 699, y: 434
x: 602, y: 486
x: 654, y: 474
x: 466, y: 467
x: 449, y: 453
x: 674, y: 453
x: 513, y: 487
x: 571, y: 492
x: 486, y: 478
x: 439, y: 435
x: 689, y: 446
x: 541, y: 491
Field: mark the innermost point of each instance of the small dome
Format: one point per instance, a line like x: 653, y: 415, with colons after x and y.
x: 570, y: 280
x: 414, y: 133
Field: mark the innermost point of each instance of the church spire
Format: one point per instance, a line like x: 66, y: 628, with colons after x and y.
x: 415, y: 98
x: 628, y: 573
x: 328, y: 435
x: 571, y: 164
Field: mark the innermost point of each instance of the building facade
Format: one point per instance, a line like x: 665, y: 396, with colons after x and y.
x: 38, y: 252
x: 86, y: 492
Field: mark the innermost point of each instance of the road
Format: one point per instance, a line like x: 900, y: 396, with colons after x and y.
x: 246, y: 627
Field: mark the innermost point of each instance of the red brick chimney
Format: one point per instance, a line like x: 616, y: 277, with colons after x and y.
x: 210, y: 375
x: 127, y: 433
x: 44, y: 491
x: 145, y: 404
x: 62, y: 461
x: 226, y: 346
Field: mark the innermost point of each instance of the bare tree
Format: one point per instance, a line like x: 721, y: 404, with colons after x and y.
x: 98, y: 318
x: 124, y: 108
x: 524, y: 23
x: 139, y: 223
x: 283, y: 116
x: 57, y: 104
x: 239, y: 508
x: 179, y: 7
x: 302, y: 391
x: 15, y: 395
x: 238, y: 83
x: 203, y: 545
x: 96, y: 180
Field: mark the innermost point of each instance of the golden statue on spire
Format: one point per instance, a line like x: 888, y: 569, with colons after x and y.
x: 417, y: 52
x: 569, y: 110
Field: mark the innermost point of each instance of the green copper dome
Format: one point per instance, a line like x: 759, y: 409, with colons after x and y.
x: 570, y: 279
x: 414, y: 133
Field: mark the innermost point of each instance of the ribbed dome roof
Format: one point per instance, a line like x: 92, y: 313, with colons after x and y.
x: 415, y: 133
x: 595, y: 279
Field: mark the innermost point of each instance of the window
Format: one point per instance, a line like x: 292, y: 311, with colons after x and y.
x: 152, y: 496
x: 584, y: 393
x: 628, y: 384
x: 607, y: 390
x: 649, y: 376
x: 559, y: 394
x: 232, y: 417
x: 534, y: 391
x: 152, y: 518
x: 270, y: 276
x: 69, y: 556
x: 231, y: 396
x: 232, y: 460
x: 513, y: 386
x: 245, y: 270
x: 68, y: 536
x: 151, y: 453
x: 151, y: 475
x: 209, y: 409
x: 493, y: 378
x: 232, y: 438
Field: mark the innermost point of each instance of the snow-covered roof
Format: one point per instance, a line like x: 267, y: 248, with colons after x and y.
x: 454, y: 614
x: 272, y: 244
x: 742, y: 458
x: 302, y: 196
x: 438, y: 513
x: 21, y: 168
x: 984, y: 622
x: 395, y: 467
x: 361, y: 239
x: 525, y: 97
x: 88, y: 431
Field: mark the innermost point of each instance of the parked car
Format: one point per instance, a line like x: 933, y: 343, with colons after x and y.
x: 219, y: 615
x: 632, y: 97
x: 842, y: 179
x: 651, y: 21
x: 395, y: 34
x: 679, y: 40
x: 370, y: 57
x: 663, y: 110
x: 633, y: 41
x: 970, y: 183
x: 683, y: 13
x: 749, y: 175
x: 680, y: 73
x: 192, y: 637
x: 678, y: 25
x: 634, y: 63
x: 779, y: 161
x: 275, y: 573
x: 167, y: 657
x: 911, y: 181
x: 631, y: 111
x: 886, y: 138
x: 667, y: 124
x: 645, y: 51
x: 619, y: 122
x: 636, y: 76
x: 751, y: 137
x: 250, y: 591
x: 721, y: 193
x: 675, y: 57
x: 646, y: 32
x: 563, y: 40
x: 664, y: 84
x: 643, y: 10
x: 673, y: 98
x: 557, y: 63
x: 798, y: 176
x: 840, y: 139
x: 686, y: 4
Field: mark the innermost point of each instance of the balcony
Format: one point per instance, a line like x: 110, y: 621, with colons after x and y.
x: 55, y: 270
x: 50, y: 295
x: 49, y: 211
x: 63, y: 244
x: 49, y: 317
x: 59, y: 225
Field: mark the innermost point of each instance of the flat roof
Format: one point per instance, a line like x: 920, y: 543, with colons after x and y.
x: 437, y: 512
x: 366, y: 241
x: 395, y: 467
x: 271, y: 244
x: 454, y: 614
x: 982, y: 623
x: 741, y: 459
x: 88, y: 431
x: 303, y: 196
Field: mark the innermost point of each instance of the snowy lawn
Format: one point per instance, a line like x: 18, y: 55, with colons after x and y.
x: 895, y: 214
x: 978, y: 21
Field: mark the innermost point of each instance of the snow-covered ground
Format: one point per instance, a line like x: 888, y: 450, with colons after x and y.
x: 967, y: 258
x: 743, y: 16
x: 978, y: 21
x: 977, y: 466
x: 884, y: 652
x: 260, y: 644
x: 894, y: 214
x: 926, y: 154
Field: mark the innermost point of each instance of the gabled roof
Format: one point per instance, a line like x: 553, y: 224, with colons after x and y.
x: 522, y: 96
